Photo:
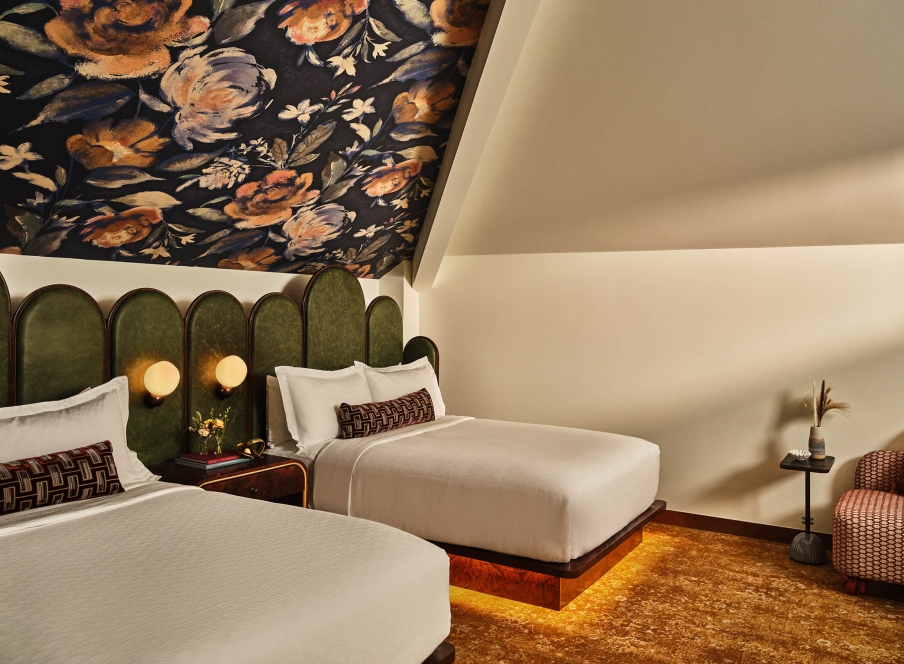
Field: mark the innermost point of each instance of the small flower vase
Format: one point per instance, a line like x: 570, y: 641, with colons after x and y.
x: 817, y: 443
x: 219, y: 445
x: 202, y: 445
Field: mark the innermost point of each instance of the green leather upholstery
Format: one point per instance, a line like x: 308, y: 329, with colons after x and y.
x: 418, y: 347
x: 5, y: 353
x: 215, y: 327
x: 333, y: 315
x: 59, y: 344
x: 145, y: 327
x: 275, y: 342
x: 384, y: 333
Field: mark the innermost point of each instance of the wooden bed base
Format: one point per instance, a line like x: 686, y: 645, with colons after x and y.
x: 444, y: 654
x: 550, y: 585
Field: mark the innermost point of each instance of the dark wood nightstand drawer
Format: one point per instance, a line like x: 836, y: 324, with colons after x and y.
x: 269, y: 483
x: 267, y: 478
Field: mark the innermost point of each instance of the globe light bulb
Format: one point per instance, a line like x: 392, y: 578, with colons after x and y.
x: 160, y: 380
x: 231, y: 372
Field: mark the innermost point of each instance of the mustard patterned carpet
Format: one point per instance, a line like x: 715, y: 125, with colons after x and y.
x: 691, y: 596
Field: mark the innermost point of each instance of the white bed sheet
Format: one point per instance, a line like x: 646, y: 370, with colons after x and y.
x: 543, y: 492
x: 166, y: 573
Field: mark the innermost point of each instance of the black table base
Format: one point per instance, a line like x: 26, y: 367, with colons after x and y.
x: 807, y: 548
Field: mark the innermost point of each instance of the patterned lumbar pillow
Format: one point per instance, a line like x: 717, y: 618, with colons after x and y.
x: 79, y: 474
x: 367, y: 419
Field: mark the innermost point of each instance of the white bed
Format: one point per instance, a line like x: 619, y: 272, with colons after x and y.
x: 167, y: 573
x: 542, y: 492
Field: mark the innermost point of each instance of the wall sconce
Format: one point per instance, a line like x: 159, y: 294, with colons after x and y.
x: 160, y: 380
x: 231, y: 372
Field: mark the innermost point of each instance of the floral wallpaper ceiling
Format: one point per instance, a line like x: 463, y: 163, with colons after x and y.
x: 270, y: 135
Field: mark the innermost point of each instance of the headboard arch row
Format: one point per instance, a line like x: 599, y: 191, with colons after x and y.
x: 58, y: 343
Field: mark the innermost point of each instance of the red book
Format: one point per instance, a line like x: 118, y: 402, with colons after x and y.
x: 210, y: 458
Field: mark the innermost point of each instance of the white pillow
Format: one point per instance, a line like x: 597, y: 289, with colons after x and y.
x: 311, y: 399
x: 387, y: 383
x: 277, y: 429
x: 93, y: 416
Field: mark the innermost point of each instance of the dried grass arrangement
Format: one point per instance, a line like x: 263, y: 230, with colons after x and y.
x: 823, y: 402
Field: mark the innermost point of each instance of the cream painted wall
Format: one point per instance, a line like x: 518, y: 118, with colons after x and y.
x: 643, y: 124
x: 704, y: 352
x: 108, y: 281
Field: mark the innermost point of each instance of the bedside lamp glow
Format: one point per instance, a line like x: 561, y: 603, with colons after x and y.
x: 160, y: 380
x: 231, y: 372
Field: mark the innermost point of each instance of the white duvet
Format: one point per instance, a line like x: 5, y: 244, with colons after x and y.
x: 543, y: 492
x: 164, y: 573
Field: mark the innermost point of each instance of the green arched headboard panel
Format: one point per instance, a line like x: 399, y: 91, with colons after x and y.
x: 5, y: 350
x: 59, y: 345
x: 333, y: 315
x: 384, y: 333
x: 418, y: 347
x: 275, y: 342
x: 145, y: 327
x: 215, y: 327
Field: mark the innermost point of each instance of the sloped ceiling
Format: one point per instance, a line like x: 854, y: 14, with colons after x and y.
x: 641, y: 124
x: 276, y: 135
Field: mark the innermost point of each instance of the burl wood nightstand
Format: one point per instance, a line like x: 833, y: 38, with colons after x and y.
x: 272, y: 478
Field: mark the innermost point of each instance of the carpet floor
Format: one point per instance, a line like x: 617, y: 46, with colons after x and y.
x: 690, y: 596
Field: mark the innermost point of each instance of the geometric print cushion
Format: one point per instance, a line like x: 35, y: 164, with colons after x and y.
x: 79, y: 474
x: 366, y: 419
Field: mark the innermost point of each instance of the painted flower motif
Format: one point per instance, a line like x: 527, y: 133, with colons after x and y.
x: 214, y: 91
x: 123, y: 38
x: 406, y: 230
x: 360, y: 271
x: 270, y: 201
x: 342, y: 65
x: 457, y: 22
x: 424, y: 102
x: 224, y: 172
x: 38, y: 201
x: 11, y: 157
x: 309, y: 230
x: 4, y: 82
x: 390, y: 178
x: 257, y: 260
x: 358, y: 109
x: 302, y: 112
x: 129, y: 143
x: 308, y: 22
x: 11, y: 250
x: 118, y: 228
x: 370, y: 231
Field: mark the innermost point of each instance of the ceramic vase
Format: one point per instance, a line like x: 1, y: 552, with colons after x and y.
x: 817, y: 443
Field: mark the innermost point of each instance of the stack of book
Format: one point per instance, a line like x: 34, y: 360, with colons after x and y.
x: 211, y: 461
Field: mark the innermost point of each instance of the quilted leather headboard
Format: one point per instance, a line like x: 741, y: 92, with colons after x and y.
x: 215, y: 327
x: 60, y: 344
x: 333, y: 313
x: 384, y: 333
x: 276, y: 340
x: 145, y: 327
